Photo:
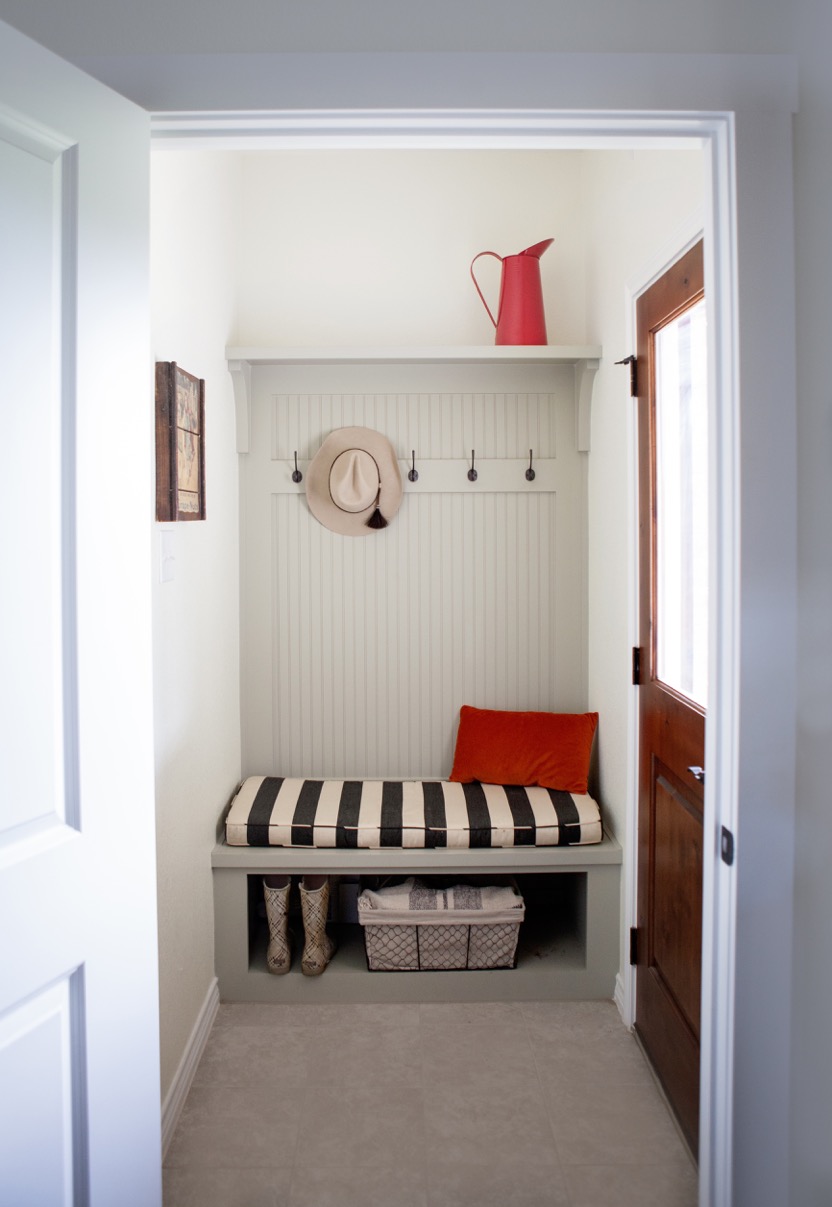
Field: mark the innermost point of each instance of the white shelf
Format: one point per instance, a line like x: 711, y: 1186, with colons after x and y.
x: 585, y: 357
x: 523, y: 354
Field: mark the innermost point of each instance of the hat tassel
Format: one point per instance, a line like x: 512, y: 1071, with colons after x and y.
x: 376, y: 520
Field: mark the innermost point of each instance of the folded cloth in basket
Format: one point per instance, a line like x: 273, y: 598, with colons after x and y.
x: 367, y: 814
x: 418, y: 896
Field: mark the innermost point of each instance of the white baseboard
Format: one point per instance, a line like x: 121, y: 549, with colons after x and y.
x: 178, y: 1092
x: 620, y: 999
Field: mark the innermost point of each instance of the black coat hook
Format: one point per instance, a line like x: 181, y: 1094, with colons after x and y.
x: 530, y: 475
x: 413, y: 473
x: 472, y: 473
x: 297, y: 476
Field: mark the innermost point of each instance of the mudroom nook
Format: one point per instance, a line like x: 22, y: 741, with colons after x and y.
x: 319, y: 290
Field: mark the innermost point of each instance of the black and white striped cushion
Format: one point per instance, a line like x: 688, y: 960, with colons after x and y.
x: 269, y: 811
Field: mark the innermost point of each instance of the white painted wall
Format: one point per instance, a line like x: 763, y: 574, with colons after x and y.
x: 351, y: 247
x: 195, y: 220
x: 811, y: 1054
x: 640, y: 206
x: 373, y: 247
x: 92, y: 27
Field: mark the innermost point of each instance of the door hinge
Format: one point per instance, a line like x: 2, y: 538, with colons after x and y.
x: 633, y: 944
x: 636, y: 665
x: 633, y: 363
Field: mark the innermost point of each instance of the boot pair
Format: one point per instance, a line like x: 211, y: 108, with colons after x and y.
x: 318, y: 948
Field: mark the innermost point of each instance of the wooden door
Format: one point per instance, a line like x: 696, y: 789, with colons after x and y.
x: 673, y: 640
x: 79, y: 1050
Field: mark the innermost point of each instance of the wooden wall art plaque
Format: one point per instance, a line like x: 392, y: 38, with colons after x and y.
x: 180, y: 444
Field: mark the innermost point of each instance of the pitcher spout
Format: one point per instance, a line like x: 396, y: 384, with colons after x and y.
x: 537, y: 249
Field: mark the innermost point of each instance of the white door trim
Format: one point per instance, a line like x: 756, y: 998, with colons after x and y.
x: 556, y: 129
x: 486, y: 129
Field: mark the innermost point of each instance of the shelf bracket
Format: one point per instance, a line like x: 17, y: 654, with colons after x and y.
x: 585, y: 371
x: 240, y: 371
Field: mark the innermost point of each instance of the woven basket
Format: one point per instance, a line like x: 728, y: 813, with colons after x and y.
x: 441, y: 940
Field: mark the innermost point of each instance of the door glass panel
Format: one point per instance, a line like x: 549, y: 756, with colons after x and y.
x: 682, y: 504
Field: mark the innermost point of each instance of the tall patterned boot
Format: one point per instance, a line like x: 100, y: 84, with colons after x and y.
x: 318, y: 948
x: 279, y: 954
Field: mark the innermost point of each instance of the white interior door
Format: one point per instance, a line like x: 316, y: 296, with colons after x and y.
x: 79, y: 1106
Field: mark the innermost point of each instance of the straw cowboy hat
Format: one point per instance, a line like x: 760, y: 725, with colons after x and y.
x: 353, y: 483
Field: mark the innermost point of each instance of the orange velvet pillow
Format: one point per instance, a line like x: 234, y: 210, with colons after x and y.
x: 547, y: 748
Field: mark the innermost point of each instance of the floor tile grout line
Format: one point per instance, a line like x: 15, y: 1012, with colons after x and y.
x: 546, y: 1104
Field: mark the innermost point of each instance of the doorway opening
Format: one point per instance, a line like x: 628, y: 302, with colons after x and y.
x: 544, y: 132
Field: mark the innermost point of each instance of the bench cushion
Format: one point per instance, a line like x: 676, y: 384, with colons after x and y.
x: 270, y: 811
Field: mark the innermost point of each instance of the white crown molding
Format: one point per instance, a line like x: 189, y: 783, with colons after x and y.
x: 521, y: 129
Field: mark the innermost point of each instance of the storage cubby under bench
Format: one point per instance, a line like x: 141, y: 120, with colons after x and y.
x: 569, y: 943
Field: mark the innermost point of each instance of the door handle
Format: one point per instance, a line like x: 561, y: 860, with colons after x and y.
x: 698, y: 773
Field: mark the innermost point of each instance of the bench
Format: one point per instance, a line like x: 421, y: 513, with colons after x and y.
x: 569, y: 948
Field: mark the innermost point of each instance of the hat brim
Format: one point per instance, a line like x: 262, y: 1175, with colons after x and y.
x: 318, y: 496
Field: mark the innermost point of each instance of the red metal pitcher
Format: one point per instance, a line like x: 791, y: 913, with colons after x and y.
x: 520, y: 318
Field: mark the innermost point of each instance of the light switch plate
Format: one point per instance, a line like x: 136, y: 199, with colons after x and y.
x: 167, y: 555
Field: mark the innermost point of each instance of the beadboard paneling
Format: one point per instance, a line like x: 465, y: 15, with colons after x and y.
x: 444, y: 426
x: 359, y: 652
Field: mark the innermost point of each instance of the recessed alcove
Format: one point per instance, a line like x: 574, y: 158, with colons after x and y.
x: 301, y: 270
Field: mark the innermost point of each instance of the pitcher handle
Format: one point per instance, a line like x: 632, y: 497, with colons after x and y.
x: 476, y: 282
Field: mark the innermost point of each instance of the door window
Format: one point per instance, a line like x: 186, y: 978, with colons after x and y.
x: 682, y: 504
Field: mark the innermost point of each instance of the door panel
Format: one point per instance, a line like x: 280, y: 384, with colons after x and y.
x: 31, y: 787
x: 36, y: 1055
x: 677, y: 936
x: 79, y: 1119
x: 673, y: 586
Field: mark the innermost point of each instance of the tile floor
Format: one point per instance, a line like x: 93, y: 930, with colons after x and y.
x: 535, y: 1104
